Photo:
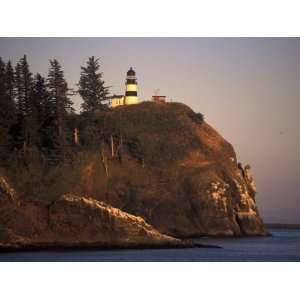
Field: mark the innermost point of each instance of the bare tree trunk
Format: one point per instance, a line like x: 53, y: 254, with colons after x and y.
x: 143, y: 163
x: 120, y: 148
x: 104, y: 160
x: 76, y: 136
x: 112, y: 145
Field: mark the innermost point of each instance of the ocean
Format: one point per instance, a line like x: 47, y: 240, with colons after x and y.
x: 283, y: 245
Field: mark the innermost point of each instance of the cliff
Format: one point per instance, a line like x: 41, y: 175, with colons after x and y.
x: 143, y: 176
x: 174, y: 170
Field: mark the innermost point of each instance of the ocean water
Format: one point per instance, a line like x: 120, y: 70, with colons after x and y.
x: 283, y: 245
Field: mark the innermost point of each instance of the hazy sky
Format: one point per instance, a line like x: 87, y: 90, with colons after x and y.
x: 248, y: 89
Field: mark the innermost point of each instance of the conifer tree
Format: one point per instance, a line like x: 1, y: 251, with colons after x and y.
x: 10, y: 111
x: 24, y: 82
x: 40, y: 97
x: 27, y: 84
x: 2, y: 80
x: 10, y: 90
x: 7, y: 106
x: 3, y: 119
x: 60, y: 105
x: 40, y: 107
x: 19, y: 93
x: 92, y: 88
x: 25, y: 109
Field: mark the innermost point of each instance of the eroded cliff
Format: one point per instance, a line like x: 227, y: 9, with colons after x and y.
x: 174, y: 170
x: 141, y: 174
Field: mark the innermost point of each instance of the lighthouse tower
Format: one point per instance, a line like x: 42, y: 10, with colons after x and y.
x: 131, y: 88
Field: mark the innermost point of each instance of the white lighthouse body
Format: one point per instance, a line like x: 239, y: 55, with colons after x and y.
x: 131, y: 96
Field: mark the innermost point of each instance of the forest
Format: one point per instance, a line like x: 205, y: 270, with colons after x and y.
x: 37, y: 120
x: 35, y: 111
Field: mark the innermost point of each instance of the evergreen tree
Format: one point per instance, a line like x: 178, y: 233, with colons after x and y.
x: 27, y: 85
x: 3, y: 119
x: 60, y: 105
x: 10, y: 90
x: 92, y: 88
x: 40, y: 97
x: 19, y: 93
x: 7, y: 106
x: 40, y: 108
x: 24, y: 83
x: 2, y: 80
x: 25, y: 109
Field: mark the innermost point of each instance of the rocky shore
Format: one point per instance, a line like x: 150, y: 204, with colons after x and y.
x: 73, y: 222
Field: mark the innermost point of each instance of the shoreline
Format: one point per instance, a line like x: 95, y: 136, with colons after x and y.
x: 36, y: 248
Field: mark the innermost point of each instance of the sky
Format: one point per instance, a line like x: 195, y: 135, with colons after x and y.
x: 247, y: 88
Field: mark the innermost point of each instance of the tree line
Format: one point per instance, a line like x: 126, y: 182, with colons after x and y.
x: 34, y: 110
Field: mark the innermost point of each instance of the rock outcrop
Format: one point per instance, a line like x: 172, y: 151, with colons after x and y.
x: 73, y: 221
x: 162, y: 174
x: 177, y: 173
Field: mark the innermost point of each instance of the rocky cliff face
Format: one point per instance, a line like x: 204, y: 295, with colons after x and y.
x: 177, y: 172
x: 73, y: 221
x: 160, y: 171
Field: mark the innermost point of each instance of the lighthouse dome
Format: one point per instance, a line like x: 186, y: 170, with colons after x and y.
x: 130, y: 72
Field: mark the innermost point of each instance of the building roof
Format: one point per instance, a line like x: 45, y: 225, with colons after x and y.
x: 116, y: 96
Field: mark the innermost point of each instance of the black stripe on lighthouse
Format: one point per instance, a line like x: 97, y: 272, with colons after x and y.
x: 131, y: 81
x: 131, y: 93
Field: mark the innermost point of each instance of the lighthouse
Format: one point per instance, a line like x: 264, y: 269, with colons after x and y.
x: 131, y: 88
